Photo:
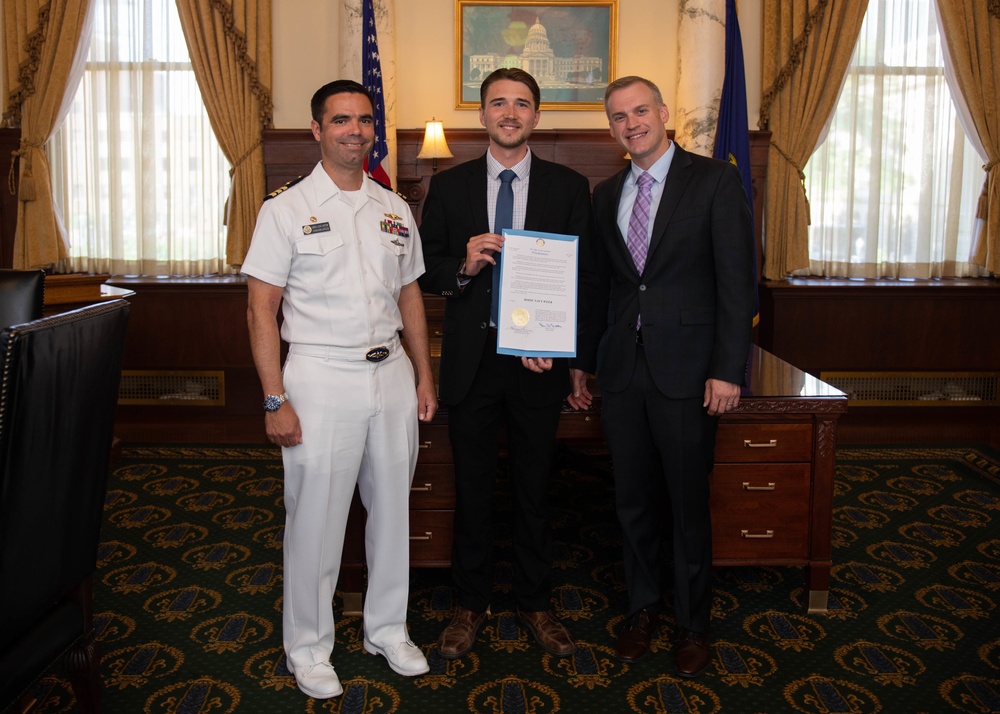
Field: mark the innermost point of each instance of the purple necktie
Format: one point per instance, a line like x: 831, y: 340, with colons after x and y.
x: 638, y: 223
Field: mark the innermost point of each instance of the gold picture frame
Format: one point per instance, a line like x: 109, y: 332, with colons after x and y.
x: 569, y: 46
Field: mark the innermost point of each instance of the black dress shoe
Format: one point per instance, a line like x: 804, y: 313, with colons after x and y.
x: 691, y: 654
x: 633, y: 641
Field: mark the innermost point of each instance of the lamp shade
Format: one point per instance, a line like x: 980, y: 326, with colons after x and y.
x: 435, y: 146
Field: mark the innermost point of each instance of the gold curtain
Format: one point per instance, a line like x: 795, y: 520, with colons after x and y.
x: 41, y: 49
x: 972, y: 33
x: 807, y: 46
x: 230, y: 47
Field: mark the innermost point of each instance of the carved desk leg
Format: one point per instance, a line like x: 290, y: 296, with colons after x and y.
x: 821, y: 546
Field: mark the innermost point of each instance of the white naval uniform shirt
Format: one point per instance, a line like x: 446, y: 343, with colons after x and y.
x: 341, y: 263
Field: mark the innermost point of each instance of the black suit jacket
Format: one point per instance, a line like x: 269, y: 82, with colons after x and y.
x: 695, y: 295
x: 455, y: 210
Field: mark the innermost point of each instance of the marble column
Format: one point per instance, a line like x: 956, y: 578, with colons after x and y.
x: 701, y: 67
x: 351, y: 42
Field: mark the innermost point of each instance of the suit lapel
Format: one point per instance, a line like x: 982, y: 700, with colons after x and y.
x: 620, y: 247
x: 475, y: 186
x: 538, y: 191
x: 673, y: 189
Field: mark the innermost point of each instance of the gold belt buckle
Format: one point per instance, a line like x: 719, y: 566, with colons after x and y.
x: 377, y: 354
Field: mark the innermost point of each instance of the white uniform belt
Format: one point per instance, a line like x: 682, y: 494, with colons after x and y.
x: 347, y: 354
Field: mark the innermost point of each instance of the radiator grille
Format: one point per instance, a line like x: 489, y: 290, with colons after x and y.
x: 917, y: 389
x: 196, y: 389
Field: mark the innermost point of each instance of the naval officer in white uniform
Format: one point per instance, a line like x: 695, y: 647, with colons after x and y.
x: 341, y: 254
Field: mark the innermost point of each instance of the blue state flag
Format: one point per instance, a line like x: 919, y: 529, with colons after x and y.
x: 732, y: 136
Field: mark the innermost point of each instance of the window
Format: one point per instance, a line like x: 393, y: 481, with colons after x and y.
x: 894, y: 186
x: 139, y: 176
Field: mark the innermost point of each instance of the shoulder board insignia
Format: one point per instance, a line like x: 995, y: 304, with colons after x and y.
x: 387, y: 187
x: 283, y: 188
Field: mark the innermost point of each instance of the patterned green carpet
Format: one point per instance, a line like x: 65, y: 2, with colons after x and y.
x: 188, y: 600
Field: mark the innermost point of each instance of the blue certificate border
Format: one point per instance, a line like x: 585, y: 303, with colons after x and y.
x: 576, y: 277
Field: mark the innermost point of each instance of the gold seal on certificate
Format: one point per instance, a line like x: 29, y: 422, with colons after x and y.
x: 520, y: 317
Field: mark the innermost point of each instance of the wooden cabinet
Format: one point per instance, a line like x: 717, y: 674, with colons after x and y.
x: 772, y: 487
x: 760, y: 491
x: 432, y: 498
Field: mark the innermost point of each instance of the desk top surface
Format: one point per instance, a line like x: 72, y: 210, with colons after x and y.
x: 771, y: 377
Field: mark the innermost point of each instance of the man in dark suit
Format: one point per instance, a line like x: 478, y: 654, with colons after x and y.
x: 668, y: 295
x: 462, y: 241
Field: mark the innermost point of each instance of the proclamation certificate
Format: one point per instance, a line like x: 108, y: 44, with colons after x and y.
x: 537, y: 301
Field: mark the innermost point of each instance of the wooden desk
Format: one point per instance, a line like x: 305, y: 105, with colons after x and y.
x: 68, y: 292
x: 772, y: 486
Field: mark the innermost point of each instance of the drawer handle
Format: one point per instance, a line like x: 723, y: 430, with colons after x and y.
x: 769, y: 445
x: 426, y: 444
x: 768, y: 487
x: 766, y: 534
x: 425, y: 536
x: 427, y: 488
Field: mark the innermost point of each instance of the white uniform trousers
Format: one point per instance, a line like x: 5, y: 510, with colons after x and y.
x: 359, y: 426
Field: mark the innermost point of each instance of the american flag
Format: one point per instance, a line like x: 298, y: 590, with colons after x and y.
x: 371, y: 68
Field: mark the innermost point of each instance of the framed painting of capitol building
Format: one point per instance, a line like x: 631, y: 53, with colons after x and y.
x: 568, y: 47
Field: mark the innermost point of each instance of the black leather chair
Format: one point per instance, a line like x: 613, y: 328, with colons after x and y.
x: 22, y: 293
x: 58, y: 393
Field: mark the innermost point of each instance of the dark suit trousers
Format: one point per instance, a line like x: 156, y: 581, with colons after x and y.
x: 655, y: 440
x: 473, y: 425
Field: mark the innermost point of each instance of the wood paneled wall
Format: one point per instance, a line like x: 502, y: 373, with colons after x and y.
x: 886, y: 325
x: 192, y: 324
x: 816, y: 325
x: 289, y: 153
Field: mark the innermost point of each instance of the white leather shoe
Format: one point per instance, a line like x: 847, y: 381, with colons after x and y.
x: 319, y: 681
x: 405, y: 658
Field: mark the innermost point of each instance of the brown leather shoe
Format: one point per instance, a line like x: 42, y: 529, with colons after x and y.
x: 551, y: 634
x: 633, y: 640
x: 691, y: 654
x: 460, y: 634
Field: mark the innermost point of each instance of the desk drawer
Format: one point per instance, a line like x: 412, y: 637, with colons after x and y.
x: 435, y: 447
x: 744, y: 442
x: 431, y: 538
x: 433, y: 486
x: 760, y: 512
x: 580, y: 425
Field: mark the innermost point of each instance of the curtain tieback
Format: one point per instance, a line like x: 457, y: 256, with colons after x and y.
x: 802, y: 178
x: 27, y: 187
x: 245, y: 156
x: 982, y: 205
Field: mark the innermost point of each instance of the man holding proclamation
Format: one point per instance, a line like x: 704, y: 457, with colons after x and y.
x: 466, y: 210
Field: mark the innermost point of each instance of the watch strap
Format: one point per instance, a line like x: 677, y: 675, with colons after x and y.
x: 461, y: 277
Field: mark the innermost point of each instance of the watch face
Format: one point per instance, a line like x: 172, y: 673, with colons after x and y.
x: 271, y: 403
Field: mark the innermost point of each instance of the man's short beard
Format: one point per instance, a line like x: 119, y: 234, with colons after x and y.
x: 505, y: 143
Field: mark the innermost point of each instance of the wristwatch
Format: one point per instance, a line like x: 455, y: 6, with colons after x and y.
x: 272, y: 402
x: 461, y: 277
